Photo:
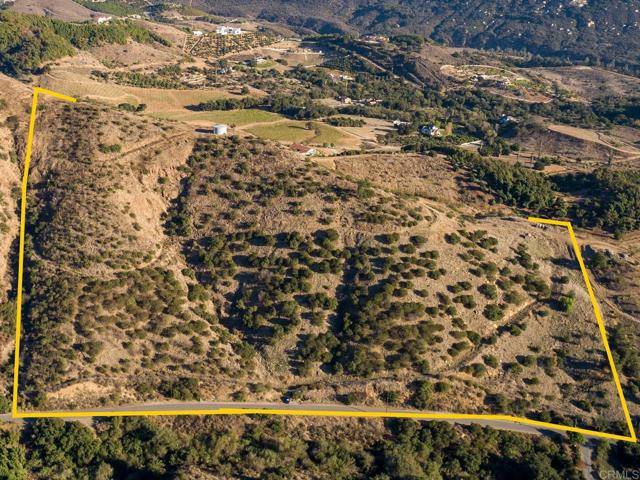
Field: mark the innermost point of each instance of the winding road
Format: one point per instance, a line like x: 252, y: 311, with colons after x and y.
x: 294, y: 407
x: 311, y: 409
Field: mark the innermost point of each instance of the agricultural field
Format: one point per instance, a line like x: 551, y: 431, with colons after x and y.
x: 79, y: 84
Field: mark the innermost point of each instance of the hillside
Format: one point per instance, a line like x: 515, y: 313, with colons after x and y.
x: 163, y: 265
x: 28, y: 41
x: 603, y: 32
x: 267, y: 221
x: 67, y: 10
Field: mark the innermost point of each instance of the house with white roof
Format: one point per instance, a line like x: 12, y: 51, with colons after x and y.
x: 224, y: 30
x: 430, y: 130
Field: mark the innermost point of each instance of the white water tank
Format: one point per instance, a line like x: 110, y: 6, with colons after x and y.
x: 220, y: 129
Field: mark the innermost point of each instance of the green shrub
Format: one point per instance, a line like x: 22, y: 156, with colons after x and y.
x: 423, y: 391
x: 490, y: 361
x: 493, y: 312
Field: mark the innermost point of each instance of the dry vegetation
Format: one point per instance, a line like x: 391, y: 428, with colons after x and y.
x: 245, y: 274
x: 391, y: 270
x: 166, y: 266
x: 213, y: 45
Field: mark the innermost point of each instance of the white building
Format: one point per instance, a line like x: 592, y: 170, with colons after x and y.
x: 224, y: 30
x: 507, y: 119
x: 102, y: 20
x: 303, y: 150
x: 198, y: 33
x: 220, y: 129
x: 430, y: 130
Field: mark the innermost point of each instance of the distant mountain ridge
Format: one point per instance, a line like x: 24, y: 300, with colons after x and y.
x: 606, y: 32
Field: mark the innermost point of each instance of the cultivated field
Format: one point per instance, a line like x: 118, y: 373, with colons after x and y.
x: 160, y: 101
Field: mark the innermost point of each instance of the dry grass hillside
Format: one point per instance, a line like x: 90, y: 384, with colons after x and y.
x: 94, y: 211
x: 14, y: 98
x: 59, y: 9
x: 163, y: 266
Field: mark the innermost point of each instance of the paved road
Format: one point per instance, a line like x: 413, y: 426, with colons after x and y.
x: 586, y: 456
x: 586, y: 449
x: 320, y: 408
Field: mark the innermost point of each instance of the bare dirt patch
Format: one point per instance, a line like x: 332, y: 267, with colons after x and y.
x: 596, y: 137
x: 59, y: 9
x: 135, y: 54
x: 588, y: 83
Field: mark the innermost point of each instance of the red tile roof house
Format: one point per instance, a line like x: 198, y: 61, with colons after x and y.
x: 304, y: 150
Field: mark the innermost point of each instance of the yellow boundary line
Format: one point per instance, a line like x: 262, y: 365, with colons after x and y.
x: 302, y: 412
x: 596, y: 311
x: 23, y: 216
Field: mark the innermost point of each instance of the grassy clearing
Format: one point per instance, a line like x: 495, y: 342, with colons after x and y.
x: 329, y: 135
x: 231, y: 117
x: 283, y: 132
x: 297, y: 132
x: 265, y: 65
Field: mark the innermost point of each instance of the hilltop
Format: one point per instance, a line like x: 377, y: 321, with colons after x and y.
x: 29, y: 41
